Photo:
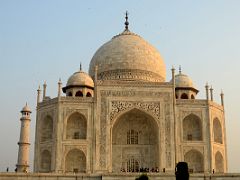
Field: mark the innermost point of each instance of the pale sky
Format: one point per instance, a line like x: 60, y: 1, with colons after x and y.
x: 46, y: 40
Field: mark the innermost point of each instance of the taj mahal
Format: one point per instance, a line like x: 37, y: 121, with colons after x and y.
x: 124, y: 116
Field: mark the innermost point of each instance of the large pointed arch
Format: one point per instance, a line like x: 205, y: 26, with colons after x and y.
x: 75, y: 161
x: 135, y: 138
x: 76, y: 126
x: 217, y: 131
x: 192, y: 128
x: 45, y: 161
x: 195, y: 161
x: 46, y: 129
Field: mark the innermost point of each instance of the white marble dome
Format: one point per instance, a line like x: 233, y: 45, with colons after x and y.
x: 80, y: 78
x: 127, y: 56
x: 182, y: 80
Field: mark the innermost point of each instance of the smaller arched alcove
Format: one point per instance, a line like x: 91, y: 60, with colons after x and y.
x: 192, y: 128
x: 195, y: 161
x: 75, y: 161
x: 89, y: 94
x: 184, y: 96
x: 79, y: 94
x: 46, y: 161
x: 76, y: 126
x: 219, y: 163
x: 217, y: 131
x: 46, y: 129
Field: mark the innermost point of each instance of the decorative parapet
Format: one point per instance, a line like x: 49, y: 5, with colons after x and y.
x: 66, y: 99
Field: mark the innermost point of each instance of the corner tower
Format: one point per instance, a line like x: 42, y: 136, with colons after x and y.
x: 23, y: 152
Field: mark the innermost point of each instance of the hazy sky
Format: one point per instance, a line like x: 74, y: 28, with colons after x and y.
x: 46, y: 40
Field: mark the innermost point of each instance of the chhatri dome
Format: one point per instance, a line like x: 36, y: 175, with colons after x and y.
x: 183, y: 80
x: 79, y: 84
x: 184, y: 86
x: 128, y: 56
x: 80, y: 78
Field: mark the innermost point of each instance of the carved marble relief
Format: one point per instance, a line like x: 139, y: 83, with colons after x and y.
x: 119, y: 106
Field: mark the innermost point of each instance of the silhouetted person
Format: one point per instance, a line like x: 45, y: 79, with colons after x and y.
x: 7, y: 169
x: 182, y: 171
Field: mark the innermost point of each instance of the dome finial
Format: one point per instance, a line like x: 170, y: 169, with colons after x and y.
x: 180, y: 69
x: 126, y: 22
x: 80, y: 66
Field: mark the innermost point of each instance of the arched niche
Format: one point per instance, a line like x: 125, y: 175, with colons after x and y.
x: 79, y: 94
x: 89, y: 94
x: 45, y: 161
x: 184, y: 96
x: 75, y: 161
x: 76, y: 127
x: 195, y: 161
x: 135, y: 141
x: 217, y: 131
x: 219, y: 163
x: 46, y: 130
x: 192, y: 128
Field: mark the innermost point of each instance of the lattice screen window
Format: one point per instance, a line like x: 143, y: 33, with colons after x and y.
x: 132, y: 137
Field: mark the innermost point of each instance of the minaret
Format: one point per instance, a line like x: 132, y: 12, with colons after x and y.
x: 23, y: 151
x: 222, y: 98
x: 38, y: 95
x: 44, y: 90
x: 59, y: 87
x: 207, y: 91
x: 211, y: 93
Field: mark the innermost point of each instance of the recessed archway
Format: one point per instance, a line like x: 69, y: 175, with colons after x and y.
x: 217, y: 131
x: 45, y: 161
x: 135, y: 138
x: 184, y: 96
x: 76, y: 127
x: 75, y: 161
x: 192, y: 128
x: 89, y: 94
x: 46, y: 129
x: 79, y: 94
x: 195, y: 161
x: 219, y: 163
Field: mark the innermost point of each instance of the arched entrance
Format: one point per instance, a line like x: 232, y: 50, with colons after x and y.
x: 75, y: 161
x: 135, y: 142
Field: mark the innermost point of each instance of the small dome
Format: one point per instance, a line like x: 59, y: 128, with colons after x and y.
x: 183, y: 81
x: 127, y: 56
x: 26, y: 108
x: 80, y: 78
